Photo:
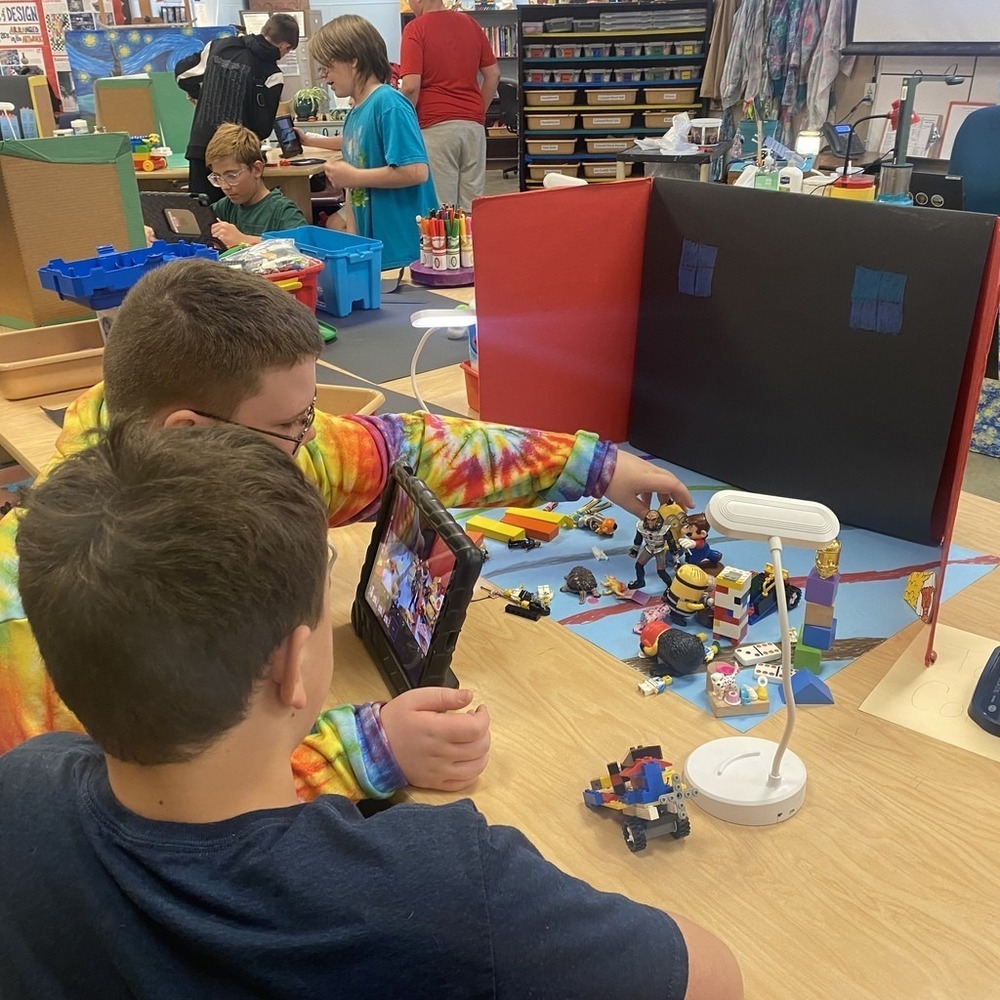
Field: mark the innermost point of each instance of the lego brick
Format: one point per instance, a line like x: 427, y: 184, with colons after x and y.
x: 807, y: 657
x: 533, y: 528
x: 725, y: 615
x: 818, y: 614
x: 820, y: 591
x: 732, y: 578
x: 549, y: 516
x: 761, y: 652
x: 723, y: 630
x: 734, y: 602
x: 495, y: 529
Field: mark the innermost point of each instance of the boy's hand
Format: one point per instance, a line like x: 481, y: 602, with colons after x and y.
x: 434, y: 745
x: 228, y: 234
x: 635, y: 481
x: 341, y: 174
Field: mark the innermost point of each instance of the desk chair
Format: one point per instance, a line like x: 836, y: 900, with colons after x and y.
x: 509, y: 113
x: 975, y: 157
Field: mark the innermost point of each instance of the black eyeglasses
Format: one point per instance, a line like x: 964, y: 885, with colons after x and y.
x: 307, y: 422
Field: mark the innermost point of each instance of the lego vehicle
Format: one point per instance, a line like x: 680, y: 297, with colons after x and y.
x: 649, y: 794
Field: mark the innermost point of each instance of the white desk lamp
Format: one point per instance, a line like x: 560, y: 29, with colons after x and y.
x: 744, y: 779
x: 455, y: 321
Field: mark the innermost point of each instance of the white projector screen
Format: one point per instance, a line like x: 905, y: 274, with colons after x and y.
x: 915, y: 27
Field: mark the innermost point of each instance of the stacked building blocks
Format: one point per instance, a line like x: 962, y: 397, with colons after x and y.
x: 819, y: 628
x: 730, y: 612
x: 494, y: 529
x: 541, y: 531
x: 728, y: 698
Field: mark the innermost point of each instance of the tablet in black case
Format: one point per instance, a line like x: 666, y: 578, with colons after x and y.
x: 416, y: 584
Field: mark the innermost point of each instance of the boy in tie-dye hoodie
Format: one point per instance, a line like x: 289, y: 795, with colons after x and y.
x: 196, y: 343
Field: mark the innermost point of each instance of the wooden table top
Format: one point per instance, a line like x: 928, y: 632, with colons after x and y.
x: 883, y: 886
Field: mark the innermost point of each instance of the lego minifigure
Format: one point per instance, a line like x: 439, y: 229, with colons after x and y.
x: 653, y: 539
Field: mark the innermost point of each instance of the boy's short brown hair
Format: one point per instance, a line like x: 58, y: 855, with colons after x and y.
x: 159, y: 570
x: 236, y: 142
x: 199, y: 335
x: 280, y: 28
x: 351, y: 37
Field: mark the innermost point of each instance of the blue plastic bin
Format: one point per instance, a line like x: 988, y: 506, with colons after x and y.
x: 352, y: 271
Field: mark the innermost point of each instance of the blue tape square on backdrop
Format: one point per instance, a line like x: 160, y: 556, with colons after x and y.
x: 697, y: 268
x: 877, y: 300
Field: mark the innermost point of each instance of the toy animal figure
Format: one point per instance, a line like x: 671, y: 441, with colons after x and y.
x: 687, y: 593
x: 696, y: 528
x: 579, y: 580
x: 653, y: 540
x: 589, y: 518
x: 612, y: 585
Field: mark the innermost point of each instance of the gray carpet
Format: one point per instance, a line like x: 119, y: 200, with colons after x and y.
x: 377, y: 344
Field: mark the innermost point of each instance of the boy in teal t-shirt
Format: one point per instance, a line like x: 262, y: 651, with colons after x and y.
x: 249, y: 209
x: 385, y: 162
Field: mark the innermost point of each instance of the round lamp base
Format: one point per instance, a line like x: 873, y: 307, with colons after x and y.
x: 731, y: 776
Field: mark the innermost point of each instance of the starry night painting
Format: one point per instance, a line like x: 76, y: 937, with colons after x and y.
x: 127, y: 50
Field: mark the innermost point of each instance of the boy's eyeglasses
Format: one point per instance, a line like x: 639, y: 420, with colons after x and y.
x: 229, y: 177
x: 306, y: 420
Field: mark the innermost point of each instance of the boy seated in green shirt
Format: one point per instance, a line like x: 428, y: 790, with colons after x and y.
x: 248, y: 209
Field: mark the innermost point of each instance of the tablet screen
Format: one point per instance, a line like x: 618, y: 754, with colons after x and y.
x: 416, y: 584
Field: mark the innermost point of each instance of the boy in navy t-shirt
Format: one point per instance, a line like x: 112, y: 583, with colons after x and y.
x: 185, y: 619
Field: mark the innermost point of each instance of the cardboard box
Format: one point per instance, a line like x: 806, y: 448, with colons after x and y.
x: 125, y: 104
x: 61, y: 197
x: 50, y: 359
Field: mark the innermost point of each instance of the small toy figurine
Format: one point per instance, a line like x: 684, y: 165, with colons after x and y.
x: 654, y: 685
x: 579, y: 580
x: 828, y: 559
x: 524, y: 543
x: 649, y: 794
x: 762, y: 599
x: 589, y: 518
x: 687, y: 593
x: 696, y: 528
x: 653, y: 539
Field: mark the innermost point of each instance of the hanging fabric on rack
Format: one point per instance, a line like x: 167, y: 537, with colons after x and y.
x: 827, y: 63
x: 795, y: 29
x: 718, y: 47
x: 745, y: 72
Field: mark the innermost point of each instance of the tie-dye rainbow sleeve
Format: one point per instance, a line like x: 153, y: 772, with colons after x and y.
x: 467, y: 463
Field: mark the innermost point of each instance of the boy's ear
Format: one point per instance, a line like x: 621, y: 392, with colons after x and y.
x: 286, y: 668
x: 257, y: 168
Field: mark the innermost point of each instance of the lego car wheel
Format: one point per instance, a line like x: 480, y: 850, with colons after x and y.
x: 634, y: 832
x: 682, y: 829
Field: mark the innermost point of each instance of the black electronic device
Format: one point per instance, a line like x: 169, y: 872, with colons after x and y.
x: 841, y: 135
x: 288, y: 138
x: 984, y: 709
x: 937, y: 190
x: 175, y: 216
x: 418, y: 578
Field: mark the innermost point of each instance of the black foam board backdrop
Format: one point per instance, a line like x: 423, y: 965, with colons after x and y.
x: 764, y: 383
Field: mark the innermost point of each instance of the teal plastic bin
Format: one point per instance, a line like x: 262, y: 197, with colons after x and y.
x: 352, y: 267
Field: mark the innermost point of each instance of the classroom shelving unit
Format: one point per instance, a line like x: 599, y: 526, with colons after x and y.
x: 593, y: 77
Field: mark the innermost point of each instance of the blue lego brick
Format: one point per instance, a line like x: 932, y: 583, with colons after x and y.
x: 820, y: 591
x: 592, y: 797
x: 818, y: 636
x: 102, y: 282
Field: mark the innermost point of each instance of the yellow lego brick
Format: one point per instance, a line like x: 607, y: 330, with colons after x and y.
x: 734, y: 579
x: 549, y: 516
x: 495, y: 529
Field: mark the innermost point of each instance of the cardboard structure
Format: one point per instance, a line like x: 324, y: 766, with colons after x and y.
x: 61, y: 197
x: 798, y: 346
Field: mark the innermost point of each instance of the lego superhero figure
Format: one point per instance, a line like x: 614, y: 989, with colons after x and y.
x: 653, y: 538
x: 699, y: 552
x: 687, y: 593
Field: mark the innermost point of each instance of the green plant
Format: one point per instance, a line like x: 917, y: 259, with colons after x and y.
x: 312, y: 97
